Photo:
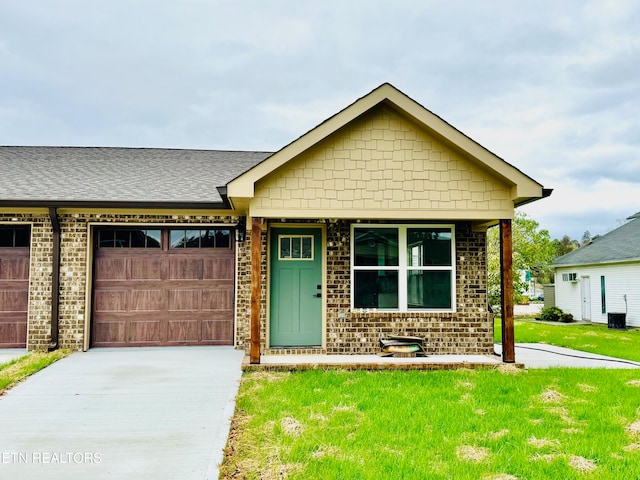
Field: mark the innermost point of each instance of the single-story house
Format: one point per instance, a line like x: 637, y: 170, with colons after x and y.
x: 372, y: 223
x: 602, y: 277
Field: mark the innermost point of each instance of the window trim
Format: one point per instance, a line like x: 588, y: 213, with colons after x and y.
x: 403, y: 266
x: 290, y: 257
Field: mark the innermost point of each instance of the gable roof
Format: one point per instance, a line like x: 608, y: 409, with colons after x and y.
x: 56, y: 176
x: 525, y: 189
x: 619, y: 245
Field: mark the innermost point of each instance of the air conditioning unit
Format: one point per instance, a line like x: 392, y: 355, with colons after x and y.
x: 570, y: 277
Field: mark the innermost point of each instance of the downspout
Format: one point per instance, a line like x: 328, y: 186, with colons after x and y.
x: 55, y: 278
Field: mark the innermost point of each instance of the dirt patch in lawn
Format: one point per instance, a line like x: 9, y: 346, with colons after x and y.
x: 582, y: 464
x: 543, y: 442
x: 292, y: 427
x: 467, y: 385
x: 633, y: 383
x: 470, y: 453
x: 548, y: 457
x: 497, y: 435
x: 634, y: 429
x: 278, y: 471
x: 552, y: 396
x: 509, y: 369
x: 587, y: 388
x: 563, y: 413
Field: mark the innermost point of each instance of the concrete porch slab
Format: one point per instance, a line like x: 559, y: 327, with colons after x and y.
x: 374, y: 362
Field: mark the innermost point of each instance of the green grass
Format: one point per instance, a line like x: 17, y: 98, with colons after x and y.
x: 587, y: 338
x: 489, y: 425
x: 17, y: 370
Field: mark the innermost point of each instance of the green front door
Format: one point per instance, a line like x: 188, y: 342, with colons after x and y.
x: 296, y: 287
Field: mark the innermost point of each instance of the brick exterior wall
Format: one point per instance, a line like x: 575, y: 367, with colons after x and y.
x: 467, y: 331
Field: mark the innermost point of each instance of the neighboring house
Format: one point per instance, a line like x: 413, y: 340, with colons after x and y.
x: 602, y: 277
x: 372, y: 223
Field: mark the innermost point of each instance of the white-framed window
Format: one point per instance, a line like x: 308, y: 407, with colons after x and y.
x: 569, y: 277
x: 403, y: 267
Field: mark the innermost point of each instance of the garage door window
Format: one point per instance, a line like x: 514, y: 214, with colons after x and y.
x: 200, y: 238
x: 14, y: 237
x: 128, y: 238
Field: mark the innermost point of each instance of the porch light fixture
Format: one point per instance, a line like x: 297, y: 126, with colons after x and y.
x: 241, y: 230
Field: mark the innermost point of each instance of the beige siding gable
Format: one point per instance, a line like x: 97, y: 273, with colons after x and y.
x: 382, y: 166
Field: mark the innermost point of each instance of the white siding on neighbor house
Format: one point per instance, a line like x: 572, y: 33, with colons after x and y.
x: 620, y: 280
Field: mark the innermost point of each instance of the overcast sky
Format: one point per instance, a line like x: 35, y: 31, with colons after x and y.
x: 551, y: 86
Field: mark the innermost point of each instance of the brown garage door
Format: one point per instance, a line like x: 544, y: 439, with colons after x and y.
x: 163, y: 287
x: 14, y: 286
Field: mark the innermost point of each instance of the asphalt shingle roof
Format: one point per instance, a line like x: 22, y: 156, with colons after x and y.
x: 619, y: 245
x: 96, y: 174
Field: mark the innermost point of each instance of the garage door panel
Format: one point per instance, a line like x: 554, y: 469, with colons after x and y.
x: 14, y: 300
x: 185, y: 268
x: 217, y: 299
x: 148, y: 300
x: 163, y: 296
x: 12, y: 332
x: 149, y: 268
x: 145, y: 332
x: 218, y: 331
x: 112, y: 268
x: 110, y: 333
x: 14, y: 268
x: 111, y: 301
x: 183, y: 299
x: 14, y: 296
x: 183, y: 331
x: 218, y: 268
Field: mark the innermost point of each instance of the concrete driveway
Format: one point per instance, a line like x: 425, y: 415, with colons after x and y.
x: 126, y: 413
x: 539, y: 355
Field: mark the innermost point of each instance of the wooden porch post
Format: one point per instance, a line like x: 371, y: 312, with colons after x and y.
x: 506, y: 291
x: 256, y: 248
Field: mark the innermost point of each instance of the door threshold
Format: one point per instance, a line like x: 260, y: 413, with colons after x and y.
x: 298, y: 347
x: 296, y: 350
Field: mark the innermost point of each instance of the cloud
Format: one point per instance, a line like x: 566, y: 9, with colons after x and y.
x: 551, y: 87
x: 575, y: 207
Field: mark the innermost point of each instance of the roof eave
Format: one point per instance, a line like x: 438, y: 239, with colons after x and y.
x: 178, y: 205
x: 546, y: 192
x: 598, y: 264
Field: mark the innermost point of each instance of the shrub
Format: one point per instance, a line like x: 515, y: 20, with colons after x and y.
x: 554, y: 314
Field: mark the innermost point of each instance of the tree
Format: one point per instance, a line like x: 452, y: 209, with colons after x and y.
x: 564, y: 246
x: 533, y: 250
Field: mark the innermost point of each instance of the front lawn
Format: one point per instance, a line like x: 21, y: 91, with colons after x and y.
x: 489, y: 425
x: 588, y: 338
x: 17, y: 370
